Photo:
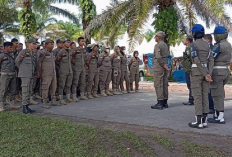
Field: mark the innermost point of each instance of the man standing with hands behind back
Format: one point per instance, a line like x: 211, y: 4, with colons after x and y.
x: 202, y: 67
x: 161, y: 69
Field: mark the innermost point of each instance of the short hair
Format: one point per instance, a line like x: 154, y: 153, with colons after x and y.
x: 21, y: 44
x: 7, y: 43
x: 14, y: 40
x: 189, y: 38
x: 42, y: 42
x: 72, y: 43
x: 80, y: 38
x: 208, y: 37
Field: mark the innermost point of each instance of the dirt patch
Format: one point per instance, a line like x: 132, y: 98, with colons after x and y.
x: 167, y: 142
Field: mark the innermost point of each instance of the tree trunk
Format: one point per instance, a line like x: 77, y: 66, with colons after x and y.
x: 88, y: 13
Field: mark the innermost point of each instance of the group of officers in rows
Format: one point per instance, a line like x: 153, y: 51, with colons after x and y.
x: 83, y: 68
x: 207, y: 71
x: 49, y: 74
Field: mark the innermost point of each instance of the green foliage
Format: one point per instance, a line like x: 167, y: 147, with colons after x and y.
x: 167, y: 21
x: 27, y: 22
x: 88, y: 9
x: 149, y: 34
x: 73, y: 30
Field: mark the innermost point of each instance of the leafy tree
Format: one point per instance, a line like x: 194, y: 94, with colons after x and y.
x: 88, y: 14
x: 134, y: 13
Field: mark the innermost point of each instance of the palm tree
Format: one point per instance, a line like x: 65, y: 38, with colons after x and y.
x: 88, y: 9
x: 43, y: 6
x: 71, y: 29
x: 134, y: 13
x: 8, y: 16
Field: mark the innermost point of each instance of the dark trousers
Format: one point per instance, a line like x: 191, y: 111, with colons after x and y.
x: 37, y: 86
x: 187, y: 77
x: 211, y: 105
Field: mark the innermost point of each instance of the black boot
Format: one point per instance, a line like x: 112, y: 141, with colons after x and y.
x: 29, y: 110
x: 25, y: 111
x: 198, y: 124
x: 165, y: 103
x: 158, y: 106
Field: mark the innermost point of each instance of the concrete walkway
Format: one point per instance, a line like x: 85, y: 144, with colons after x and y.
x: 135, y: 109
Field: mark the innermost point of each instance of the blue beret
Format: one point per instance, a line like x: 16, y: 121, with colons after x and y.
x: 198, y: 28
x: 220, y: 30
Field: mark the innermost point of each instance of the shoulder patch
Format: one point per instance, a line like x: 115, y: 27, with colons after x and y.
x: 216, y: 50
x: 194, y: 51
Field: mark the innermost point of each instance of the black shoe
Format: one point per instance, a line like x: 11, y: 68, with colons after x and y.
x: 198, y: 124
x: 217, y: 121
x: 30, y: 110
x: 158, y: 106
x: 25, y: 111
x: 165, y: 104
x: 189, y: 103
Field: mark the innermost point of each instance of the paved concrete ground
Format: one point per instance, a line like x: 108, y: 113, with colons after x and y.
x: 135, y: 109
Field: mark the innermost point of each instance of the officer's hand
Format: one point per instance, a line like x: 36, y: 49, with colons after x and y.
x: 208, y: 78
x: 166, y: 67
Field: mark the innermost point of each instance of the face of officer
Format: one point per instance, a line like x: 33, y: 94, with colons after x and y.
x: 67, y: 44
x: 81, y: 43
x: 32, y: 46
x: 60, y: 45
x: 95, y: 49
x: 20, y: 47
x: 186, y: 42
x: 73, y: 46
x: 49, y: 46
x: 136, y: 54
x: 15, y: 44
x: 9, y: 49
x: 157, y: 38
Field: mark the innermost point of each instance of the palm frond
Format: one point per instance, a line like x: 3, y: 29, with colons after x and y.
x: 212, y: 12
x: 73, y: 2
x: 64, y: 13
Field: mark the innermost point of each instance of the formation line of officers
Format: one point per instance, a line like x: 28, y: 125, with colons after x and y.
x: 49, y: 74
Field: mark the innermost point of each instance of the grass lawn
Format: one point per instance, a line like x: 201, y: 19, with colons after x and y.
x: 31, y: 135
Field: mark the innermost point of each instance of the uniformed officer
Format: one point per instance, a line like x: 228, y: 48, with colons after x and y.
x: 124, y: 72
x: 160, y: 66
x: 134, y: 71
x: 47, y: 72
x: 60, y: 45
x: 79, y: 69
x: 65, y: 72
x: 202, y: 67
x: 18, y: 91
x: 116, y: 70
x: 105, y: 70
x: 187, y: 64
x: 93, y: 77
x: 25, y: 61
x: 8, y: 77
x: 222, y: 54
